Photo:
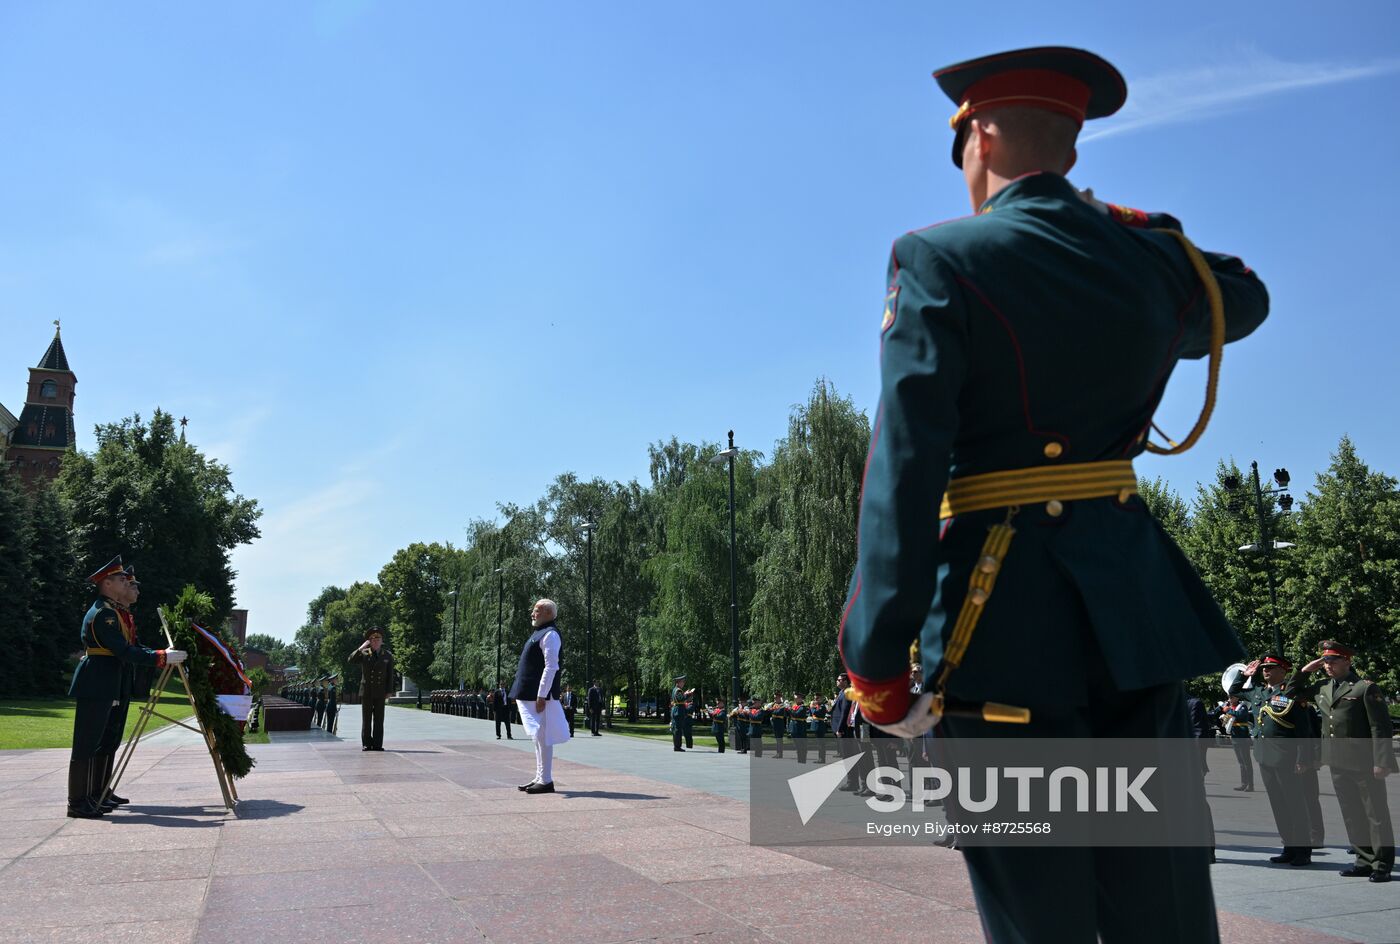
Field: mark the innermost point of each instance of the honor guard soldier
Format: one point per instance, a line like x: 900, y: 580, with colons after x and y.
x: 777, y: 717
x: 1023, y: 352
x: 1241, y: 729
x: 377, y: 666
x: 758, y: 720
x: 719, y: 719
x: 820, y: 729
x: 739, y: 724
x: 797, y: 727
x: 1280, y: 726
x: 1356, y: 746
x: 680, y: 714
x: 102, y: 682
x: 332, y: 705
x: 320, y: 701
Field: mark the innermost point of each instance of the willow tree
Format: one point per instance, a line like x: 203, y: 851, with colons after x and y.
x: 809, y: 502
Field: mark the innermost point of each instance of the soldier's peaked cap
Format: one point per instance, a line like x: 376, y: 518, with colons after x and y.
x: 1330, y: 647
x: 1071, y: 82
x: 1272, y: 659
x: 109, y: 569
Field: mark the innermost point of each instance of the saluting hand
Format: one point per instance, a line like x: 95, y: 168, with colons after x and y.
x: 1312, y: 666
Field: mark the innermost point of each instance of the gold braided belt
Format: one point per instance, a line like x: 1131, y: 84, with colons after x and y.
x: 1058, y: 483
x: 98, y: 651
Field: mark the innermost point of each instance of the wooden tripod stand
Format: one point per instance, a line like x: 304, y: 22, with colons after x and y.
x: 149, y: 709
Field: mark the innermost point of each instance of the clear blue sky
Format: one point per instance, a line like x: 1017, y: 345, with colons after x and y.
x: 400, y: 261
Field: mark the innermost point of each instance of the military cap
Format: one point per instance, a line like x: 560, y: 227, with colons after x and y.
x: 677, y: 678
x: 109, y: 569
x: 1070, y: 82
x: 1272, y: 659
x: 129, y: 572
x: 1330, y: 647
x: 374, y: 631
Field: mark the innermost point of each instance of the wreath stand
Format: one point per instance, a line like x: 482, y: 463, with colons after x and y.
x: 226, y: 786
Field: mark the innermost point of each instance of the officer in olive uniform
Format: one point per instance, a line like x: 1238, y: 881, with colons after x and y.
x: 332, y: 705
x: 378, y: 672
x: 719, y: 719
x: 101, y: 683
x: 680, y: 715
x: 1280, y: 729
x: 1023, y: 351
x: 320, y: 704
x: 1356, y: 746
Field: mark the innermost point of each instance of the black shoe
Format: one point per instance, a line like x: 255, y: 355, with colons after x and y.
x: 678, y: 750
x: 1302, y: 858
x: 498, y: 737
x: 1356, y: 871
x: 1240, y: 788
x: 947, y: 841
x: 1284, y: 857
x: 862, y: 792
x: 85, y: 810
x: 1351, y: 850
x: 509, y: 738
x: 1379, y: 875
x: 540, y: 787
x: 118, y: 800
x: 525, y: 786
x: 364, y: 748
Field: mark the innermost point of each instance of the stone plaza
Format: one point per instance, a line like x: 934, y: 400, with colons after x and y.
x: 431, y: 842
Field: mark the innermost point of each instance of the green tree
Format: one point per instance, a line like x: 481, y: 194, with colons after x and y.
x: 156, y: 500
x: 346, y: 620
x: 623, y: 590
x: 309, y: 636
x: 16, y: 584
x: 810, y: 498
x: 279, y: 653
x: 1348, y: 585
x: 1169, y: 508
x: 56, y: 597
x: 415, y: 580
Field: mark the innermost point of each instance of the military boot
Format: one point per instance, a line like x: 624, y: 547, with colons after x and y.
x: 80, y: 804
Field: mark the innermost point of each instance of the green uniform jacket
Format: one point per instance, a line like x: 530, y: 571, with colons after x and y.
x: 680, y: 708
x: 797, y: 721
x: 718, y: 720
x: 1041, y: 322
x: 378, y: 673
x: 758, y: 720
x: 1356, y: 727
x: 1280, y: 722
x: 107, y: 677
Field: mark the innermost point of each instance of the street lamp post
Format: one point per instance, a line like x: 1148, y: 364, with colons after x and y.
x: 589, y: 527
x: 500, y: 592
x: 729, y: 454
x: 1267, y: 545
x: 452, y: 666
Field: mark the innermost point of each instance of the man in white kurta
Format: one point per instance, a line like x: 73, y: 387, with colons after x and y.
x: 536, y: 693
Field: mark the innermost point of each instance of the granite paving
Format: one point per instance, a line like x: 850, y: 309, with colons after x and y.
x: 430, y: 841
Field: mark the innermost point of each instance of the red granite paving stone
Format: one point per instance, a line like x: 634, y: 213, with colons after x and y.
x: 366, y: 917
x: 16, y: 846
x: 752, y: 899
x: 563, y: 873
x: 110, y: 868
x: 741, y: 935
x: 178, y: 931
x: 597, y: 819
x: 251, y: 859
x: 296, y: 813
x: 474, y: 849
x: 668, y: 839
x: 937, y: 873
x: 138, y: 839
x: 721, y: 862
x: 264, y: 831
x: 586, y: 916
x: 86, y: 904
x: 407, y: 776
x: 386, y: 796
x: 946, y: 927
x: 30, y: 827
x: 233, y: 895
x: 405, y: 812
x: 1244, y: 929
x: 450, y: 825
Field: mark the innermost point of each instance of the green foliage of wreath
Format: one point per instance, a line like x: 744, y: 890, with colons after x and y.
x: 194, y: 606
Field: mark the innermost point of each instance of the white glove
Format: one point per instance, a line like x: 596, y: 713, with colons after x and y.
x: 174, y: 656
x: 1087, y: 195
x: 920, y: 718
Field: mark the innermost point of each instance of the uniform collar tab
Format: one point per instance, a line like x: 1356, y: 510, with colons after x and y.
x: 1035, y: 184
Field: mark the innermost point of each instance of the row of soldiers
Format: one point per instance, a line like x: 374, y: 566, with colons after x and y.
x: 793, y: 718
x: 320, y: 696
x: 463, y: 704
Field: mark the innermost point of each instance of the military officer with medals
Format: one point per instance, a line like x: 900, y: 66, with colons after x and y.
x: 1024, y: 350
x: 1357, y: 748
x: 102, y: 682
x: 1280, y: 728
x: 377, y: 678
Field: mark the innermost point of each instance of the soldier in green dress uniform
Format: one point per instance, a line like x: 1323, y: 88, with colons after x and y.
x: 777, y: 717
x: 1024, y: 350
x: 1280, y: 730
x: 101, y: 683
x: 821, y: 730
x: 758, y: 720
x: 376, y: 682
x: 1356, y: 746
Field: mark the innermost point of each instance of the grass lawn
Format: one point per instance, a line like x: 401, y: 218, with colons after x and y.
x: 31, y: 723
x: 650, y: 730
x: 258, y: 737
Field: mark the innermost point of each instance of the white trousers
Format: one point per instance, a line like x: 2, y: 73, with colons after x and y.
x: 546, y: 729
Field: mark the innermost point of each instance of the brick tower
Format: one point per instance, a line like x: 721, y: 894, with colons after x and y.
x: 45, y: 428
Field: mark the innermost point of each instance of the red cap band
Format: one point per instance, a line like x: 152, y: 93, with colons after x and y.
x: 1032, y: 88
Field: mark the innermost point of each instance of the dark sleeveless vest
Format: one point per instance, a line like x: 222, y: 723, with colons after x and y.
x: 531, y: 668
